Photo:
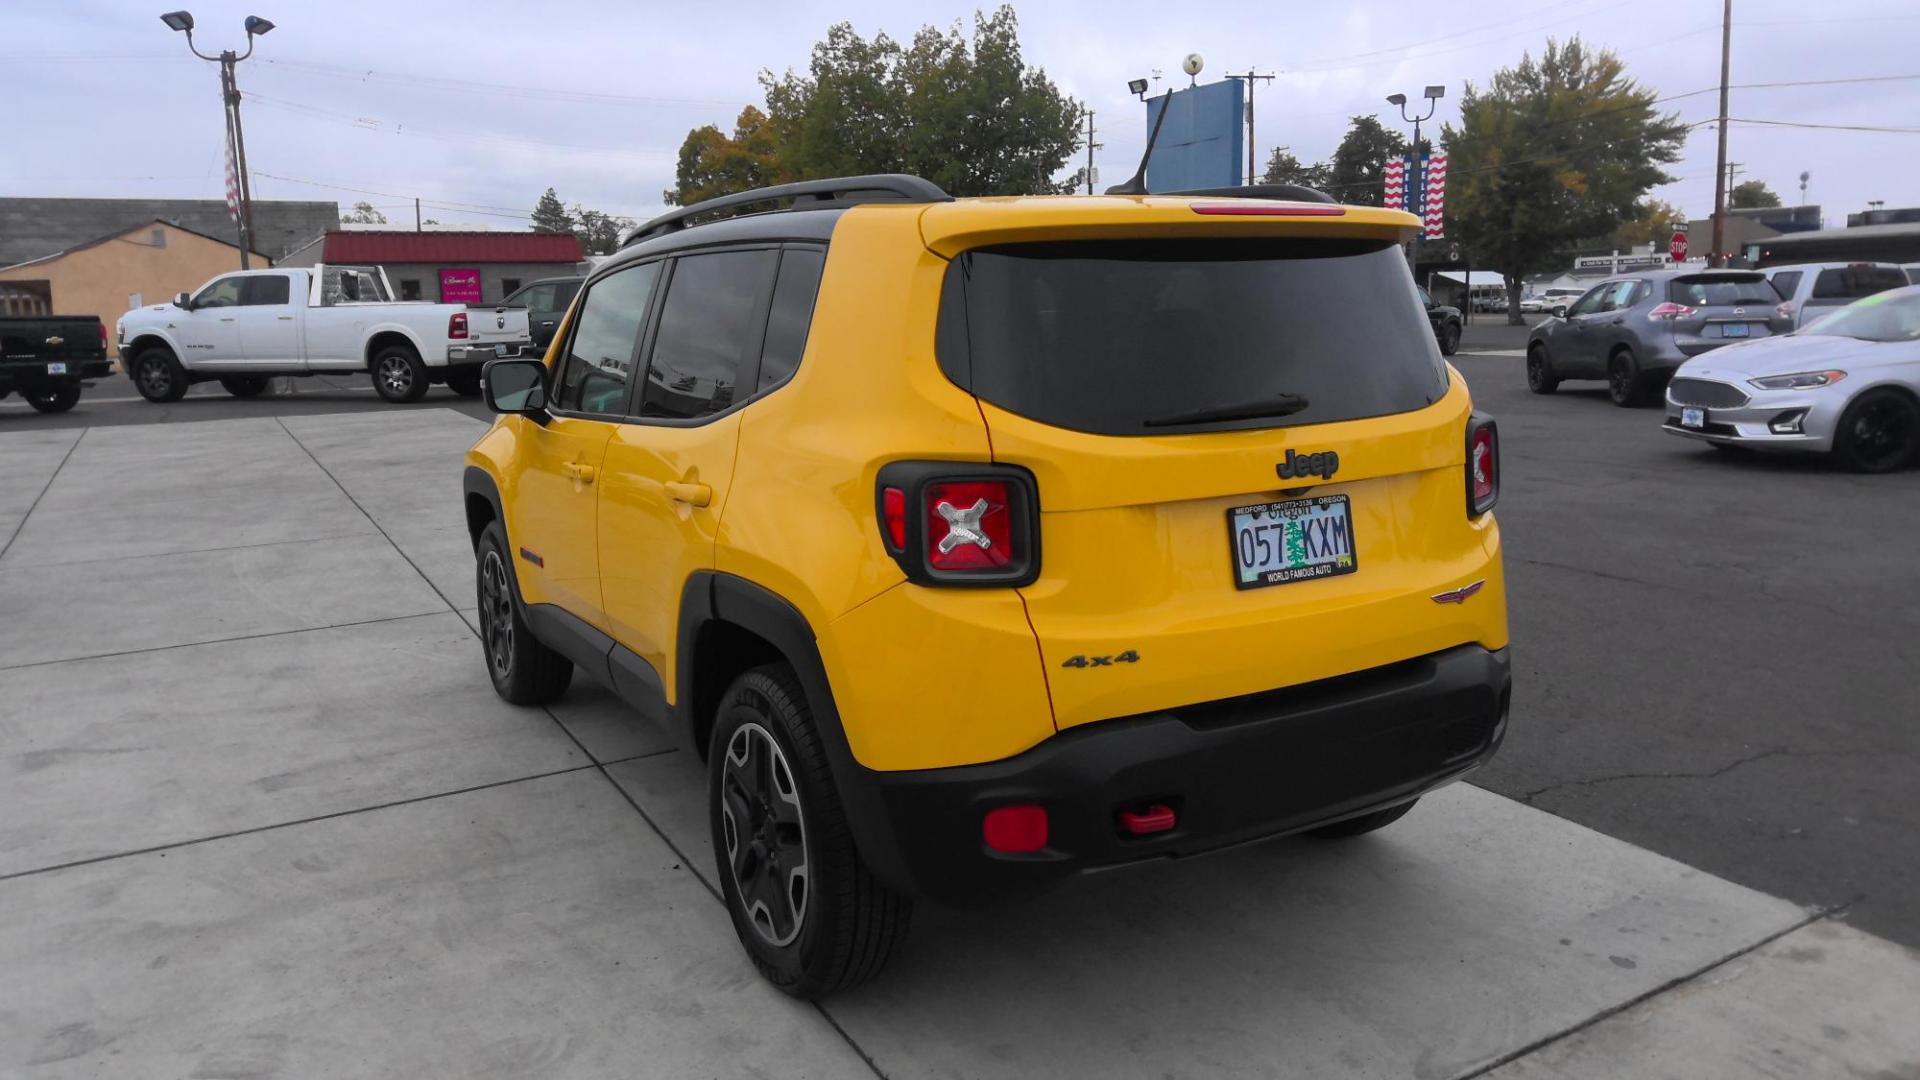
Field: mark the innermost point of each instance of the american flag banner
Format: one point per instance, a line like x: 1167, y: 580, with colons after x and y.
x: 1434, y: 197
x: 233, y: 184
x: 1396, y: 178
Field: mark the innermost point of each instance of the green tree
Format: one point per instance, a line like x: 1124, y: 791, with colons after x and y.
x: 1284, y: 168
x: 599, y: 233
x: 1357, y: 173
x: 1551, y: 152
x: 550, y: 215
x: 1751, y: 195
x: 964, y: 112
x: 364, y: 214
x: 1651, y: 222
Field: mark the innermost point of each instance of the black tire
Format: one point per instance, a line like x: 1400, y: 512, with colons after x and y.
x: 57, y: 400
x: 464, y: 381
x: 245, y: 385
x: 399, y: 376
x: 1879, y: 432
x: 1449, y: 338
x: 1540, y: 377
x: 1626, y: 384
x: 523, y: 670
x: 845, y: 923
x: 1365, y: 823
x: 158, y: 375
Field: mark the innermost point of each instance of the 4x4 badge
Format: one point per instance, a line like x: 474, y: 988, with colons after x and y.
x: 1128, y: 657
x: 1323, y: 465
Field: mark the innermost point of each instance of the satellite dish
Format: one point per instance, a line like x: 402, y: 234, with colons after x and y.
x: 1193, y: 63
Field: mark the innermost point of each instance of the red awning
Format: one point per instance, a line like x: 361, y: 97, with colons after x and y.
x: 450, y: 248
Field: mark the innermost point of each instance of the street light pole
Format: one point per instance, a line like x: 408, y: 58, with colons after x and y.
x: 1416, y: 178
x: 182, y: 22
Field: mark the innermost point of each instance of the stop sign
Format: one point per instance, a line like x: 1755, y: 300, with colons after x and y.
x: 1677, y: 247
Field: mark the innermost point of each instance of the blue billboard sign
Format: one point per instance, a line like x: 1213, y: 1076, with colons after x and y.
x: 1203, y: 143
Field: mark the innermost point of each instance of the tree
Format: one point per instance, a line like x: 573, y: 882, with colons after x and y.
x: 1751, y: 195
x: 1357, y: 173
x: 599, y: 233
x: 1651, y: 222
x: 364, y: 214
x: 1284, y: 168
x: 1551, y: 152
x: 550, y: 215
x: 966, y: 113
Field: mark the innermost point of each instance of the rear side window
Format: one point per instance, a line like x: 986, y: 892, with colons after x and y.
x: 1854, y: 282
x: 1127, y: 337
x: 1786, y: 283
x: 1701, y: 290
x: 268, y: 291
x: 791, y: 315
x: 606, y: 335
x: 564, y: 293
x: 710, y: 332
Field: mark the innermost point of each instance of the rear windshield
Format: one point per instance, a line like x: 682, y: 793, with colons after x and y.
x: 1128, y: 337
x: 1721, y: 291
x: 1854, y: 282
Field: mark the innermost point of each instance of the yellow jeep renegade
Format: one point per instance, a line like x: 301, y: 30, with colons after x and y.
x: 977, y: 543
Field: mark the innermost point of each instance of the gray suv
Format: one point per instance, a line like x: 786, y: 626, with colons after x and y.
x: 1633, y: 330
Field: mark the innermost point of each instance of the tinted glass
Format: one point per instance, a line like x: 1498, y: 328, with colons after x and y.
x: 599, y: 358
x: 1786, y: 282
x: 563, y: 294
x: 1591, y: 302
x: 1854, y: 282
x: 222, y: 293
x: 1744, y: 290
x: 1882, y: 317
x: 1132, y: 337
x: 266, y: 291
x: 533, y: 298
x: 409, y: 289
x: 791, y: 314
x: 710, y: 330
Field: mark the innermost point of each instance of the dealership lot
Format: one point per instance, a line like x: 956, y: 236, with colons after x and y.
x: 260, y: 812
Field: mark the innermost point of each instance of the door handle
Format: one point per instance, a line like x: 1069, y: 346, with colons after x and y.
x: 226, y: 318
x: 284, y: 318
x: 691, y: 494
x: 582, y: 473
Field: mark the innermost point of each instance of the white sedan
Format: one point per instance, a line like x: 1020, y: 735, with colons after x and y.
x: 1847, y: 385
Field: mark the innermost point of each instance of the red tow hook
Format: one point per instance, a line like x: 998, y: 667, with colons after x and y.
x: 1156, y: 818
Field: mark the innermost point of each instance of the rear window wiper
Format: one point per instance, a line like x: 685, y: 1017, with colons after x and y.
x: 1279, y: 405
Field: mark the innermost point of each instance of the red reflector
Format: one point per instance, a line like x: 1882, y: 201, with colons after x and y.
x: 1015, y: 830
x: 457, y: 325
x: 893, y: 504
x: 1153, y: 819
x: 968, y: 525
x: 1253, y: 209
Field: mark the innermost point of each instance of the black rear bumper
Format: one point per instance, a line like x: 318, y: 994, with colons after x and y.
x: 32, y: 375
x: 1235, y: 770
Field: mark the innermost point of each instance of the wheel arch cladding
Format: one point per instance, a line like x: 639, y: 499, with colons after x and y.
x: 482, y: 502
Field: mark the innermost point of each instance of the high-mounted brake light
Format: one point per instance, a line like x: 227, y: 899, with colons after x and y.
x: 1670, y: 310
x: 955, y: 523
x: 1268, y: 209
x: 1483, y: 464
x: 457, y: 325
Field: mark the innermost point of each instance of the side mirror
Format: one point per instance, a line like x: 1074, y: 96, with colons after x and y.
x: 1560, y: 311
x: 516, y: 387
x: 182, y: 300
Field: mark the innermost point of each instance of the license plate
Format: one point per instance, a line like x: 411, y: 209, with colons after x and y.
x: 1693, y: 417
x: 1734, y: 329
x: 56, y: 369
x: 1274, y: 543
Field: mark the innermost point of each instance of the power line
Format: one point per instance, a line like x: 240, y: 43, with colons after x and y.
x: 1829, y: 127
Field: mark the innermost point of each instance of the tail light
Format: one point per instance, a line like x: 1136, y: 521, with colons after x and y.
x: 1483, y: 464
x: 1671, y: 310
x: 1784, y: 311
x: 103, y: 337
x: 457, y: 325
x: 951, y: 523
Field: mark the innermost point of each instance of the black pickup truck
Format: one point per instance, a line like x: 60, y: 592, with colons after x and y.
x: 48, y: 358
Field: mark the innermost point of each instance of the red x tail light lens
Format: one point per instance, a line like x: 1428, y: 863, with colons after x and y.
x: 968, y: 526
x: 950, y: 523
x: 1483, y: 465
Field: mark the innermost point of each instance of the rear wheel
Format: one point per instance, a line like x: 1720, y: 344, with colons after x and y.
x: 1879, y: 432
x: 1365, y: 823
x: 1449, y: 339
x: 464, y: 381
x: 812, y: 917
x: 398, y: 374
x: 158, y: 376
x: 1626, y: 386
x: 1540, y: 377
x: 245, y: 385
x: 57, y: 400
x: 523, y: 670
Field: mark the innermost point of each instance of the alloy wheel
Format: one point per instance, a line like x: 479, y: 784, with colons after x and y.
x: 155, y: 379
x: 1882, y: 432
x: 496, y: 614
x: 396, y: 375
x: 765, y: 834
x: 1536, y: 368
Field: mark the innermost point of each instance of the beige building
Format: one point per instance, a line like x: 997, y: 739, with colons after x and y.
x: 146, y: 264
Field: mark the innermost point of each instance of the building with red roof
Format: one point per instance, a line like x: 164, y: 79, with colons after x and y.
x: 448, y: 266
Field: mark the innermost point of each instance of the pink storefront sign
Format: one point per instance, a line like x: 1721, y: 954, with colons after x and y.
x: 459, y: 286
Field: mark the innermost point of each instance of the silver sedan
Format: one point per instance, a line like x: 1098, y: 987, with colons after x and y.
x: 1847, y: 385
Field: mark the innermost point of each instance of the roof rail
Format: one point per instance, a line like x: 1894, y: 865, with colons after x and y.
x: 1283, y: 192
x: 806, y: 195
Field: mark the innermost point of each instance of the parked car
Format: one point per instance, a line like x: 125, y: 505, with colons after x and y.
x: 895, y: 511
x: 1847, y: 385
x: 1810, y: 290
x: 47, y: 359
x: 1634, y: 330
x: 546, y: 302
x: 1445, y: 321
x: 245, y: 328
x: 1912, y: 270
x: 1533, y: 305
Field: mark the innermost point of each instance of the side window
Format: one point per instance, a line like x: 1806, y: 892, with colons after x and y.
x: 1426, y: 298
x: 1622, y: 297
x: 1787, y: 282
x: 599, y: 360
x: 710, y: 332
x: 791, y: 314
x: 1589, y: 303
x: 563, y: 295
x: 224, y: 292
x: 266, y: 291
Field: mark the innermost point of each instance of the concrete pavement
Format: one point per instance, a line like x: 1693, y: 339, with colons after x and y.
x: 261, y: 815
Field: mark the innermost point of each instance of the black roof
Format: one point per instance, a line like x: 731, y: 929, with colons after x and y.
x: 768, y: 227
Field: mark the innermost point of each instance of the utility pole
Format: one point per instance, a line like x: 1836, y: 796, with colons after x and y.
x: 182, y: 22
x: 1716, y: 257
x: 1091, y: 147
x: 1252, y: 177
x: 416, y: 213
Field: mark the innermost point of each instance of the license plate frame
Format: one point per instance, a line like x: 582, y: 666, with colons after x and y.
x: 1693, y: 417
x: 1278, y: 515
x: 1735, y: 330
x: 56, y: 367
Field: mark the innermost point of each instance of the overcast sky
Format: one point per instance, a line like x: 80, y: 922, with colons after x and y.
x: 478, y: 106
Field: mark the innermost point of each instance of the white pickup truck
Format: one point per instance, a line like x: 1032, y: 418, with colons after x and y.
x: 245, y: 328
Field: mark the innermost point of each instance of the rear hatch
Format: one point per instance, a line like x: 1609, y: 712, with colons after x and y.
x: 1166, y: 391
x: 495, y: 325
x: 1708, y: 310
x: 57, y: 339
